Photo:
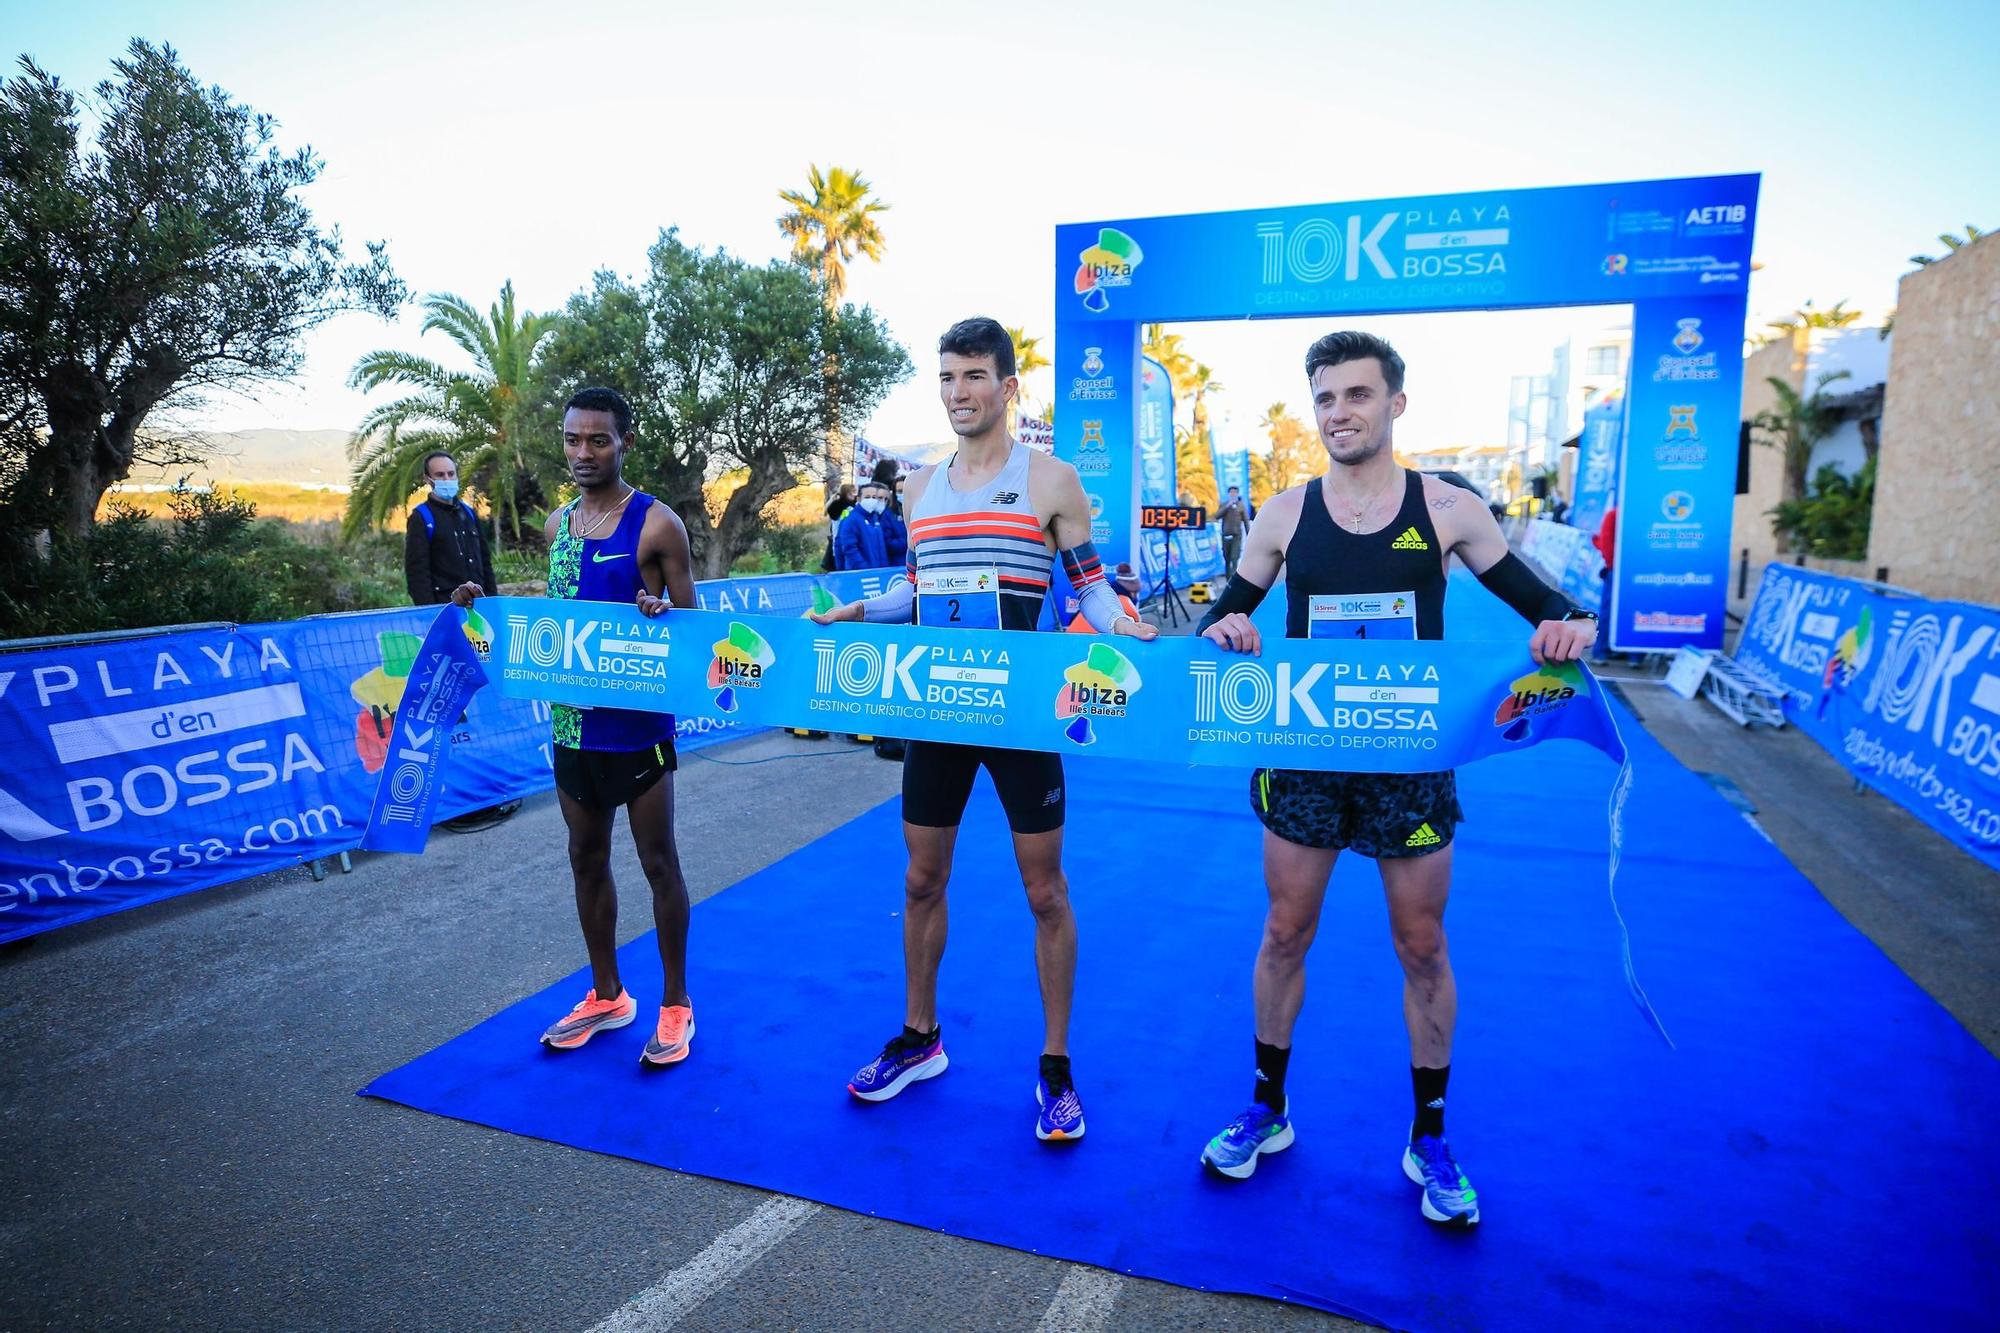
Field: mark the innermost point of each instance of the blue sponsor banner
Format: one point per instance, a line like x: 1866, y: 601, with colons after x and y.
x: 1355, y: 706
x: 442, y: 682
x: 1232, y: 468
x: 1197, y: 554
x: 1597, y: 463
x: 1677, y: 490
x: 1567, y: 557
x: 1097, y: 391
x: 1498, y: 249
x: 141, y: 769
x: 1903, y: 691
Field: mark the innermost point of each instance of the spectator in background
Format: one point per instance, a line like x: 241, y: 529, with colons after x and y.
x: 886, y: 476
x: 1606, y: 542
x: 1235, y: 521
x: 836, y: 509
x: 1126, y: 580
x: 870, y: 537
x: 443, y: 544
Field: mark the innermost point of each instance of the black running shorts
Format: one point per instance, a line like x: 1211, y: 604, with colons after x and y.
x: 937, y: 782
x: 1374, y: 814
x: 607, y: 779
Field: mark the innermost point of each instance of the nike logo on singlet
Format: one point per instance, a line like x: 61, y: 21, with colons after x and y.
x: 599, y: 557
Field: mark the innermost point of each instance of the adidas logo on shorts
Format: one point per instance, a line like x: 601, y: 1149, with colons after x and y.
x: 1411, y: 540
x: 1425, y: 836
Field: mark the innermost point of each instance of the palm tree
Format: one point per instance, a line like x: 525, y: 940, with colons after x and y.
x: 1795, y: 425
x: 1028, y: 358
x: 828, y: 227
x: 1951, y: 244
x: 1798, y: 327
x: 482, y: 416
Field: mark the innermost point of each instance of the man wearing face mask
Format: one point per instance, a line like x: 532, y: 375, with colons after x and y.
x: 443, y: 544
x: 870, y: 538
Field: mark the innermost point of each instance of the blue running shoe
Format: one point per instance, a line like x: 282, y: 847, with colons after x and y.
x: 1448, y: 1196
x: 1061, y: 1117
x: 1259, y: 1130
x: 901, y: 1063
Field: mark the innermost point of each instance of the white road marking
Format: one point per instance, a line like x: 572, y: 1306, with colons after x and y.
x: 669, y: 1300
x: 1083, y: 1302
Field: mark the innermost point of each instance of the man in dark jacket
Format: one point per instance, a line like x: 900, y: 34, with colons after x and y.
x: 443, y: 544
x: 870, y: 537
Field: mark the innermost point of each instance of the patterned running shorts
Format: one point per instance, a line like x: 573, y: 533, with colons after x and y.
x: 1374, y: 814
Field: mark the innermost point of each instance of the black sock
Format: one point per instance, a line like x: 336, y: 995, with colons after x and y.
x: 1271, y: 1063
x: 912, y: 1037
x: 1429, y: 1086
x: 1055, y: 1073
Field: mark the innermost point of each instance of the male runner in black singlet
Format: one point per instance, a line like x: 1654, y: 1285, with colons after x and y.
x: 1363, y: 551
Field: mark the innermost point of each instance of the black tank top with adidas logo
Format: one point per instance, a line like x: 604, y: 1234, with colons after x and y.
x: 1324, y: 559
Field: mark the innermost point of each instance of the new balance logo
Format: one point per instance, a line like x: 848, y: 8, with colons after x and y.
x: 1053, y: 798
x: 1425, y: 836
x: 1411, y: 540
x: 1007, y: 497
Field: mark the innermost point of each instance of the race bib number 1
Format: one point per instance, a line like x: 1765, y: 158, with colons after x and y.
x: 1373, y: 615
x: 959, y: 598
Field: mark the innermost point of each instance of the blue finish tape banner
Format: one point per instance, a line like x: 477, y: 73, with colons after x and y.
x: 442, y: 682
x: 1497, y: 249
x: 1904, y: 692
x: 1358, y: 706
x: 140, y: 769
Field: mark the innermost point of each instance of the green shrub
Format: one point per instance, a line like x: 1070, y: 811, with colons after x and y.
x: 1832, y: 520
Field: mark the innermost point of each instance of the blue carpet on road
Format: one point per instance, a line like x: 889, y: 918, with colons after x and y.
x: 1813, y: 1155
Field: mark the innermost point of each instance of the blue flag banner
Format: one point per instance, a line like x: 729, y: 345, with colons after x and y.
x: 1597, y: 463
x: 1232, y: 468
x: 1157, y: 476
x: 442, y: 682
x: 1348, y: 705
x: 1903, y: 691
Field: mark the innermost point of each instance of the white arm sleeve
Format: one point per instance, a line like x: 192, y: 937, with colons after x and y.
x: 1100, y: 606
x: 897, y: 606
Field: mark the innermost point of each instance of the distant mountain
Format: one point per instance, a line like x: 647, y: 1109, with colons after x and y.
x: 296, y: 457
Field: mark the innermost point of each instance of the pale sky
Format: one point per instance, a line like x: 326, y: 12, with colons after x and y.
x: 541, y: 142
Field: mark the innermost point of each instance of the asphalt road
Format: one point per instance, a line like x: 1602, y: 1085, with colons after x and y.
x: 181, y: 1146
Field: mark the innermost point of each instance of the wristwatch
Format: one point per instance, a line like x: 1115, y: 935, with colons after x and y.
x: 1578, y: 613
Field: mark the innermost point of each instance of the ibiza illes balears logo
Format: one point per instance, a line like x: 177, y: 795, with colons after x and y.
x: 1542, y: 691
x: 1101, y: 685
x: 1107, y: 264
x: 739, y: 664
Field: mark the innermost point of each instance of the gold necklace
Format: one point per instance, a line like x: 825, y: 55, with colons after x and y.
x: 603, y: 518
x: 1361, y: 510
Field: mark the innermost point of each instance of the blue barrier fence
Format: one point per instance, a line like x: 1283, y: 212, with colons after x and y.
x: 141, y: 768
x: 1905, y: 692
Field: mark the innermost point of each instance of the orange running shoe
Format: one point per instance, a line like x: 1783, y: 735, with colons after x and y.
x: 590, y: 1017
x: 669, y: 1045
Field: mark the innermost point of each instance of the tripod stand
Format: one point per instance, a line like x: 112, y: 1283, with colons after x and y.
x: 1172, y: 609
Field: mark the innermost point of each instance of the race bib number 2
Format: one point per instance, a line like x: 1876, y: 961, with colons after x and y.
x: 959, y: 598
x: 1372, y: 615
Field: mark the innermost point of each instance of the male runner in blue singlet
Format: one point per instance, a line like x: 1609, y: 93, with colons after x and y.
x: 1363, y: 551
x: 984, y: 530
x: 615, y: 543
